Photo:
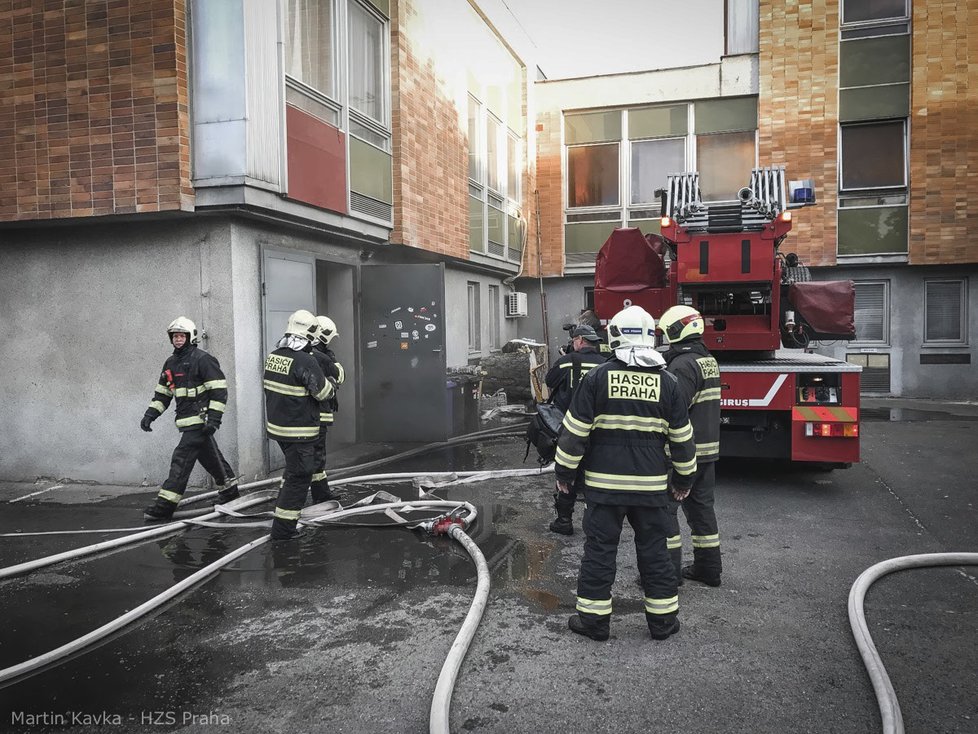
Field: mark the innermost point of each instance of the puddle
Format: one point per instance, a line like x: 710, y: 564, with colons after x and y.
x: 897, y: 415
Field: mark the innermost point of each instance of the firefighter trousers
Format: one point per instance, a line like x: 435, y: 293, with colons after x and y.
x: 602, y: 530
x: 194, y: 446
x: 300, y: 463
x: 702, y: 520
x: 320, y: 480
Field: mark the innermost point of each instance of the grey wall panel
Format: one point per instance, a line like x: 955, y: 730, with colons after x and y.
x: 265, y: 103
x: 457, y: 311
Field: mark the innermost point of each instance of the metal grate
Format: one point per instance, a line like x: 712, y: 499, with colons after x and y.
x: 371, y: 207
x: 595, y: 217
x: 514, y: 255
x: 497, y: 249
x: 581, y: 258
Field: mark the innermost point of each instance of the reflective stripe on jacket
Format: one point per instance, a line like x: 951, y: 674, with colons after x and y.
x: 195, y: 379
x: 295, y: 387
x: 615, y: 433
x: 699, y: 381
x: 334, y: 371
x: 560, y: 377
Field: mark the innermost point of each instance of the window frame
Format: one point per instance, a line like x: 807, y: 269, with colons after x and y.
x: 684, y: 139
x: 474, y: 317
x: 961, y: 341
x: 495, y: 313
x: 385, y: 67
x: 885, y: 340
x: 873, y: 21
x: 843, y: 189
x: 594, y: 207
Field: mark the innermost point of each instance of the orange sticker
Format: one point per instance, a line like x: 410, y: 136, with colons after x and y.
x: 404, y: 345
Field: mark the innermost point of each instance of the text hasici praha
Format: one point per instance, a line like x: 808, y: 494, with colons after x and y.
x: 634, y: 386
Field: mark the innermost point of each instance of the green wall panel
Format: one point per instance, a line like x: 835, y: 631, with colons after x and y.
x: 658, y: 122
x: 883, y: 60
x: 497, y: 225
x: 874, y: 103
x: 592, y: 127
x: 587, y: 236
x: 873, y: 231
x: 726, y: 115
x: 477, y: 224
x: 515, y: 238
x: 370, y: 171
x: 648, y: 226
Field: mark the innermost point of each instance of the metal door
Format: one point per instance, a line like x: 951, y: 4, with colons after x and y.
x: 403, y: 353
x: 288, y: 284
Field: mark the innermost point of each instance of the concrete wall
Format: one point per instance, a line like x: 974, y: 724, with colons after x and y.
x: 908, y: 377
x: 565, y: 301
x: 83, y: 317
x: 457, y: 315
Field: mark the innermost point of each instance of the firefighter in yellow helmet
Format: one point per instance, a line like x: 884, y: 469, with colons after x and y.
x: 295, y: 389
x: 699, y: 382
x: 615, y: 432
x: 194, y: 378
x: 335, y: 374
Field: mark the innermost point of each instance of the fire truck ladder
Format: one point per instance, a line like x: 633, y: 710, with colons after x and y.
x: 756, y: 205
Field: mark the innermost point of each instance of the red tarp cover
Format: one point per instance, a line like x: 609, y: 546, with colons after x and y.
x: 828, y: 306
x: 628, y: 262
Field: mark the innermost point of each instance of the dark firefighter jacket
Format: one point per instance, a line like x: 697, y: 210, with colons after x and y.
x: 334, y: 371
x: 616, y: 430
x: 699, y: 381
x: 560, y: 378
x: 295, y: 387
x: 194, y: 378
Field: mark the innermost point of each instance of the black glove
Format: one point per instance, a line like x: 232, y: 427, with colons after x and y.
x: 146, y: 422
x: 209, y: 427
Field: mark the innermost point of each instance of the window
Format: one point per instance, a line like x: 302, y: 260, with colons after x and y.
x: 493, y: 177
x: 872, y: 313
x: 367, y: 72
x: 309, y: 44
x: 742, y: 27
x: 494, y: 335
x: 873, y: 156
x: 724, y: 162
x: 875, y: 377
x: 652, y: 160
x: 861, y: 11
x: 475, y: 141
x: 588, y: 299
x: 592, y: 175
x: 475, y: 319
x: 513, y: 168
x: 945, y: 311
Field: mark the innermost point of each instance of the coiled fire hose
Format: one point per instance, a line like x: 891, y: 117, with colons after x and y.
x: 885, y: 694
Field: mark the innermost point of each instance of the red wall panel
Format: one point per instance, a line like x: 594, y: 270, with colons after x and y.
x: 317, y: 161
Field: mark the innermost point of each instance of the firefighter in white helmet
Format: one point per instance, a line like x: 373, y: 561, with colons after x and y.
x: 615, y: 433
x: 699, y: 381
x: 335, y: 374
x: 295, y: 390
x: 194, y: 378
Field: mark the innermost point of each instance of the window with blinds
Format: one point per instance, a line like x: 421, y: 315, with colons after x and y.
x: 872, y: 312
x: 944, y: 311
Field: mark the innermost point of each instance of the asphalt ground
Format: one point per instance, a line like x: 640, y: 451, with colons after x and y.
x: 346, y: 629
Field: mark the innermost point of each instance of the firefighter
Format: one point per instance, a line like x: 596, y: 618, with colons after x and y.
x: 562, y: 379
x: 194, y: 378
x: 615, y: 432
x: 699, y: 381
x: 589, y: 318
x: 295, y: 388
x: 335, y: 374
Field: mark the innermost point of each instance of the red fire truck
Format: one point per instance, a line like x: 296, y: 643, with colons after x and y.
x: 763, y: 314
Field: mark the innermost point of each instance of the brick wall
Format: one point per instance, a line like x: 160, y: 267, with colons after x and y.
x: 944, y: 133
x: 95, y: 116
x: 431, y: 205
x: 798, y: 112
x: 550, y: 185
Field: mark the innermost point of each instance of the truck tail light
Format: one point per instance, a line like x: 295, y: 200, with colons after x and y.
x: 785, y: 216
x: 665, y: 222
x: 832, y: 430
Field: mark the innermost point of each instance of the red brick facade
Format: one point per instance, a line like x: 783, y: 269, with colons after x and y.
x: 95, y: 118
x: 550, y: 185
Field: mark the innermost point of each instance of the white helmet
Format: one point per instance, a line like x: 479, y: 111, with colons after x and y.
x: 304, y: 324
x: 183, y: 325
x: 631, y: 327
x: 680, y: 323
x: 327, y: 329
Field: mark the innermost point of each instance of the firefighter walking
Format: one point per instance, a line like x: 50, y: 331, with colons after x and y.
x: 615, y: 432
x: 194, y: 378
x: 295, y: 388
x: 336, y: 375
x: 699, y: 382
x: 563, y: 379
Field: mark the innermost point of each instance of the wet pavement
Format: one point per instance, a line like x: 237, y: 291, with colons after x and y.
x: 347, y: 628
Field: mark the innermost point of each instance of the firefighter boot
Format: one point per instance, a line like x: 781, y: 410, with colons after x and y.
x: 160, y: 511
x: 662, y: 626
x: 320, y: 491
x: 285, y: 529
x: 563, y: 523
x: 589, y: 625
x: 227, y: 493
x: 706, y: 566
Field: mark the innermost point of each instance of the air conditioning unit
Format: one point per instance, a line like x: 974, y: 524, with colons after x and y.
x: 515, y: 305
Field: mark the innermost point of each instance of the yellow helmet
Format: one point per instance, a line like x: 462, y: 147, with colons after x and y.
x: 631, y: 327
x: 183, y: 325
x: 304, y: 324
x: 327, y: 329
x: 680, y: 323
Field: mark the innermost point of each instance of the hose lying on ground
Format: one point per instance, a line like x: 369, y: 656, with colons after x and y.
x: 885, y: 694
